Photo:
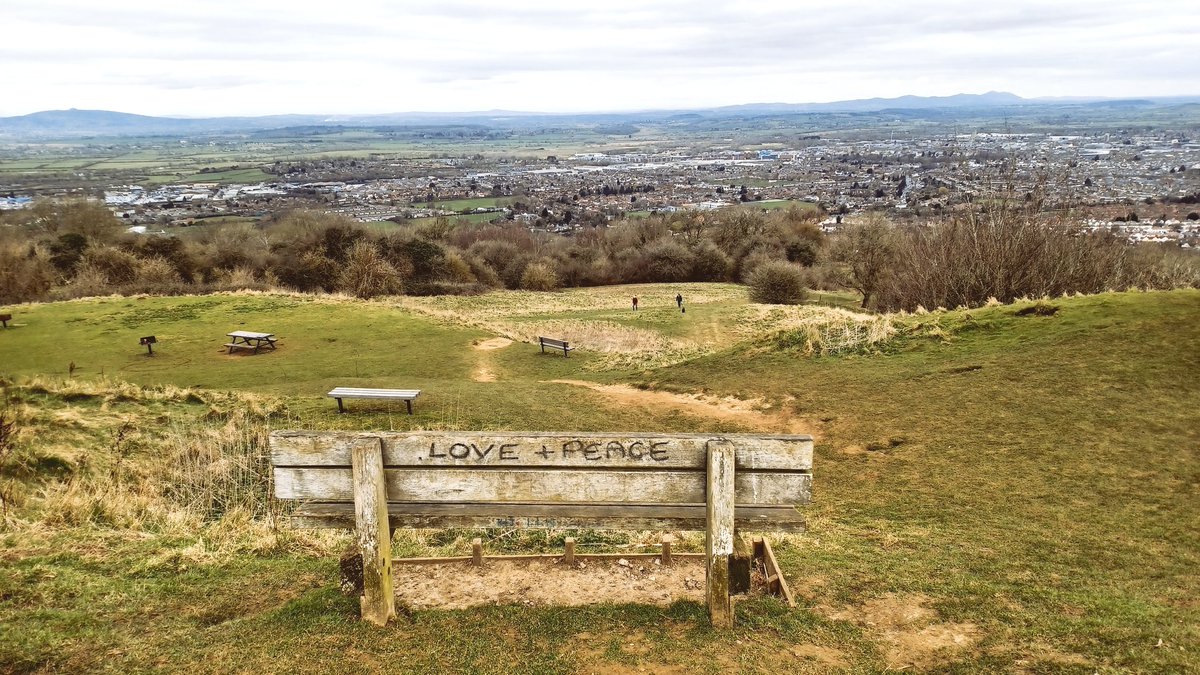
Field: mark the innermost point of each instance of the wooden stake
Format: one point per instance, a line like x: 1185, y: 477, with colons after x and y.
x: 719, y: 539
x: 378, y: 602
x: 666, y: 549
x: 569, y: 558
x: 477, y: 551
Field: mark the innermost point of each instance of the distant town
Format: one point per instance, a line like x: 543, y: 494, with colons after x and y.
x: 1141, y: 184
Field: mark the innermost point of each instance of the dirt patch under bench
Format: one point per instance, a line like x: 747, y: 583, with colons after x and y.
x: 457, y: 585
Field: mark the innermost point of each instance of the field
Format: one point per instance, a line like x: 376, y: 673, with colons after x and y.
x: 1007, y: 489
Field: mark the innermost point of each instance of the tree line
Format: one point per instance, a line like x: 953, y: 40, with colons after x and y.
x: 68, y: 249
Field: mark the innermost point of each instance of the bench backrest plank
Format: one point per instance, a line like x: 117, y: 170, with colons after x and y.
x: 542, y: 468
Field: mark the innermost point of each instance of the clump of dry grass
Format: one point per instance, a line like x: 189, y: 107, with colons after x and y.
x: 201, y: 471
x: 818, y: 330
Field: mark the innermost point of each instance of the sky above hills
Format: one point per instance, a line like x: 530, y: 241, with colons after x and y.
x: 225, y: 57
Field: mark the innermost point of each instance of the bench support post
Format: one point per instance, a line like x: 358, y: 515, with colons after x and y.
x: 408, y: 402
x: 569, y: 553
x: 341, y: 408
x: 719, y: 539
x: 378, y: 602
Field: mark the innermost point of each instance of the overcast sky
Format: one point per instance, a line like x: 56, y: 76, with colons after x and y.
x: 253, y: 57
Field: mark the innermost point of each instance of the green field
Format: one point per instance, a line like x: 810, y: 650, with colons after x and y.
x: 996, y: 490
x: 469, y: 204
x: 775, y: 204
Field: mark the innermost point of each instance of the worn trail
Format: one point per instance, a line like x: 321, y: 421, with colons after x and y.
x: 727, y: 409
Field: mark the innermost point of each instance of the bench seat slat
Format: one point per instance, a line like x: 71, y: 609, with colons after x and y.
x: 350, y: 392
x: 419, y: 515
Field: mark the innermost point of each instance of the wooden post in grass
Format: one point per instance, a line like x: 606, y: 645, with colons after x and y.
x: 371, y: 521
x: 477, y: 551
x: 719, y: 539
x: 666, y: 549
x: 569, y: 556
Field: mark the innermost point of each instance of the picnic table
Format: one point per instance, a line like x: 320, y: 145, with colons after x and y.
x: 244, y: 339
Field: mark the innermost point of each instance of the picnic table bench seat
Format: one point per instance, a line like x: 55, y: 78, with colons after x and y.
x: 406, y: 395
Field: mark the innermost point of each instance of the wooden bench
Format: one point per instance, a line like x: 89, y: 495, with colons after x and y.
x: 406, y: 395
x: 5, y: 318
x: 377, y: 481
x: 554, y: 344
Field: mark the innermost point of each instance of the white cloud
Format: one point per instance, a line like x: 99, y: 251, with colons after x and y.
x: 226, y: 57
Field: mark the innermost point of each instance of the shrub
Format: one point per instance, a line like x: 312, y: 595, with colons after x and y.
x: 710, y: 264
x: 155, y: 272
x: 666, y: 260
x: 539, y: 276
x: 367, y: 274
x: 24, y: 275
x: 778, y: 283
x: 118, y: 267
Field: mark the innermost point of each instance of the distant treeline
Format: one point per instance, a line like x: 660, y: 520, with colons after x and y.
x: 60, y: 250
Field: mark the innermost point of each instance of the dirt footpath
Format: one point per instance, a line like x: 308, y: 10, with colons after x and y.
x: 548, y: 581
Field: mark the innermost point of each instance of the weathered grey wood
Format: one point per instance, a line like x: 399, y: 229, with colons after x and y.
x: 739, y: 565
x: 666, y: 549
x: 557, y: 449
x: 779, y: 584
x: 719, y: 536
x: 569, y: 554
x: 545, y: 485
x: 552, y: 516
x: 477, y: 551
x: 371, y: 524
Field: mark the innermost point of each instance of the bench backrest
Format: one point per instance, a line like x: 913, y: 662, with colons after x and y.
x: 5, y: 317
x: 377, y: 481
x: 552, y: 342
x: 629, y: 481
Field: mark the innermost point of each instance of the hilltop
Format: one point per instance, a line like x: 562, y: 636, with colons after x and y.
x: 998, y: 489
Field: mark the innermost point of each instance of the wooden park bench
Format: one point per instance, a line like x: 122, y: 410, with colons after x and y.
x: 554, y: 344
x: 378, y: 481
x: 406, y: 395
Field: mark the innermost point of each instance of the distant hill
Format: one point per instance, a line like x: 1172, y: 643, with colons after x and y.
x: 990, y: 99
x: 76, y: 123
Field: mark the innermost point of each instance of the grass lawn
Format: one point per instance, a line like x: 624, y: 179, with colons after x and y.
x: 776, y: 204
x: 993, y: 492
x: 467, y: 204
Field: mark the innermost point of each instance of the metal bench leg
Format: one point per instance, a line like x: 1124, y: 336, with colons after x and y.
x: 409, y: 404
x: 341, y: 408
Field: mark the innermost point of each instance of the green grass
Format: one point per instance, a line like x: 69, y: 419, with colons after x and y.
x: 1030, y: 479
x: 776, y: 204
x: 468, y: 204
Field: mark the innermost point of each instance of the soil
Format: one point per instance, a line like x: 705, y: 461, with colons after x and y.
x: 457, y: 585
x: 494, y: 343
x: 483, y: 371
x: 739, y: 411
x: 910, y: 637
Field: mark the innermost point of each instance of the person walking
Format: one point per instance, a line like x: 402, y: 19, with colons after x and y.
x: 635, y: 303
x: 679, y: 300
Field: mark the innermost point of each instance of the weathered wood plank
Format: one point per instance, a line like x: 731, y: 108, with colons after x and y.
x: 774, y: 570
x: 719, y: 536
x: 573, y: 449
x: 553, y: 516
x: 538, y: 485
x: 371, y: 523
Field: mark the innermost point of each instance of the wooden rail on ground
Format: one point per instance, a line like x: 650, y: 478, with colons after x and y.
x: 374, y: 481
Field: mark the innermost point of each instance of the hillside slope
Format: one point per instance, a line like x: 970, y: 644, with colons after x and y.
x: 1006, y: 489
